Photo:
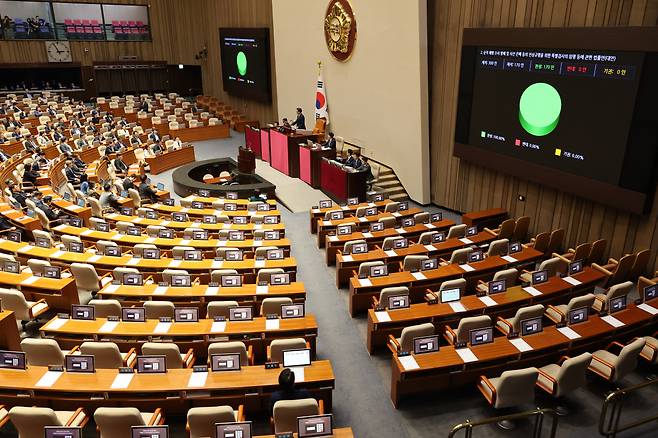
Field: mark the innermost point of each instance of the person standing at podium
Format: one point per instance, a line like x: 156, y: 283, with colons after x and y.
x: 300, y: 121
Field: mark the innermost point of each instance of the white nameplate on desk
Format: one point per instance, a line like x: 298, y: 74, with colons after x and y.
x: 326, y: 223
x: 48, y: 379
x: 94, y: 258
x: 367, y: 235
x: 259, y: 263
x: 87, y: 232
x: 363, y: 219
x: 488, y: 301
x: 25, y: 248
x: 466, y: 240
x: 217, y: 264
x: 138, y: 220
x: 520, y: 344
x: 568, y: 332
x: 57, y: 254
x: 365, y: 282
x: 572, y: 281
x: 315, y: 210
x: 165, y: 223
x: 333, y: 238
x: 299, y: 373
x: 396, y: 214
x: 408, y: 363
x: 111, y: 215
x: 111, y: 288
x: 196, y: 224
x: 466, y: 267
x: 345, y: 207
x: 226, y: 226
x: 160, y: 290
x: 271, y: 324
x: 262, y: 289
x: 211, y: 290
x: 108, y: 327
x: 400, y: 230
x: 150, y: 240
x: 372, y: 204
x: 162, y: 327
x: 430, y: 226
x: 466, y: 355
x: 29, y: 280
x: 122, y: 380
x: 197, y: 380
x: 418, y: 276
x: 184, y: 209
x: 348, y: 258
x: 532, y: 291
x: 258, y: 226
x: 390, y: 253
x: 175, y: 263
x: 56, y: 324
x: 60, y: 227
x: 218, y: 327
x: 509, y: 259
x: 185, y: 241
x: 457, y: 307
x: 612, y: 321
x: 647, y: 308
x: 382, y: 316
x: 133, y: 261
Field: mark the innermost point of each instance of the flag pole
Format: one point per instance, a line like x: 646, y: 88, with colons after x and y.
x: 319, y: 67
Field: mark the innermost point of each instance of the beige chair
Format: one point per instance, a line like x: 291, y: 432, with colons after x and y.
x: 509, y: 275
x: 579, y: 253
x: 154, y: 230
x: 278, y: 346
x: 521, y: 229
x: 559, y: 313
x: 457, y: 283
x: 96, y: 209
x: 406, y: 340
x: 201, y: 420
x: 168, y: 273
x: 101, y: 245
x: 286, y: 412
x: 459, y: 256
x: 388, y: 292
x: 24, y: 310
x: 498, y: 247
x: 422, y: 218
x: 220, y: 308
x: 565, y: 377
x: 457, y: 231
x: 426, y: 237
x: 116, y: 422
x: 87, y: 280
x: 553, y: 266
x: 514, y: 324
x: 105, y: 308
x: 364, y: 268
x: 30, y: 421
x: 233, y: 347
x: 37, y: 266
x: 265, y: 274
x: 221, y: 252
x: 347, y: 247
x: 504, y: 231
x: 413, y: 262
x: 614, y: 367
x: 462, y: 333
x: 178, y: 251
x: 389, y: 242
x: 272, y: 306
x: 134, y: 196
x: 158, y: 309
x: 67, y: 240
x: 43, y: 235
x: 391, y: 207
x: 138, y: 249
x: 261, y: 251
x: 512, y: 388
x: 650, y: 350
x: 173, y: 357
x: 601, y: 301
x: 216, y: 275
x: 107, y: 355
x: 122, y: 226
x: 389, y: 222
x: 188, y: 233
x: 43, y: 352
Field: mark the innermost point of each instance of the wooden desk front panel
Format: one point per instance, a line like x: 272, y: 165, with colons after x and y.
x: 170, y: 160
x: 318, y: 213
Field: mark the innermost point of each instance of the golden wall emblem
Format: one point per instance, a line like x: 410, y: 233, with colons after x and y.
x: 340, y: 29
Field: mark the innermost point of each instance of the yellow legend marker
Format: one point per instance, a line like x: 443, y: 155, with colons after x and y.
x: 558, y: 152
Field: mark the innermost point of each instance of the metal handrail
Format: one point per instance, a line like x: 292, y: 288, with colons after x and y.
x: 614, y: 403
x: 538, y: 413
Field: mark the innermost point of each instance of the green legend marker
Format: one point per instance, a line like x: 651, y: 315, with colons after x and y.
x: 539, y: 109
x: 241, y: 60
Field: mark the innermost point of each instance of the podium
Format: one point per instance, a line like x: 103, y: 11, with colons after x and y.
x: 310, y: 159
x: 340, y: 184
x: 284, y: 149
x: 246, y: 160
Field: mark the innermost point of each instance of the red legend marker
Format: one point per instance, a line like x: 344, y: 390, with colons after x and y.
x: 517, y: 142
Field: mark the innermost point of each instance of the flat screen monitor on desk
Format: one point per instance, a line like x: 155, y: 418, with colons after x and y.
x: 133, y: 314
x: 428, y: 264
x: 359, y: 248
x: 650, y: 292
x: 280, y: 279
x: 575, y: 267
x: 576, y: 316
x: 292, y: 311
x: 398, y: 302
x: 151, y: 253
x: 225, y: 362
x: 231, y: 281
x: 152, y: 364
x: 240, y: 314
x: 14, y: 360
x: 186, y: 314
x: 379, y: 271
x: 426, y: 344
x: 81, y: 363
x: 315, y: 425
x: 617, y: 304
x: 233, y: 430
x: 149, y: 431
x: 181, y: 280
x: 85, y: 313
x: 62, y: 432
x: 497, y: 286
x: 132, y: 279
x: 481, y: 336
x: 531, y: 326
x: 450, y: 295
x: 297, y: 358
x: 539, y: 277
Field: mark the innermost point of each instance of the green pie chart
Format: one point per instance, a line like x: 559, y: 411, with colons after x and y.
x: 241, y: 61
x: 539, y: 109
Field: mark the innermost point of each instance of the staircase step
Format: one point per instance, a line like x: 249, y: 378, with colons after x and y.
x: 399, y: 197
x: 393, y: 183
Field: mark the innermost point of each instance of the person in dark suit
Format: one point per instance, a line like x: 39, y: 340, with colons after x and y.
x: 71, y: 175
x: 331, y: 142
x: 351, y: 159
x: 300, y: 121
x: 154, y: 136
x: 144, y: 106
x: 146, y: 191
x: 19, y: 195
x: 157, y: 148
x: 119, y: 165
x: 287, y: 390
x: 3, y: 156
x: 29, y: 144
x: 128, y: 183
x: 30, y: 175
x: 77, y: 162
x: 365, y: 167
x: 135, y: 140
x: 44, y: 203
x: 65, y: 148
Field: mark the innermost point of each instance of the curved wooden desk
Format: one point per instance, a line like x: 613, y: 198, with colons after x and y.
x: 318, y: 213
x: 58, y: 293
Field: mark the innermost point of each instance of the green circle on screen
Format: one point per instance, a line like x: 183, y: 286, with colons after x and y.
x: 241, y: 60
x: 539, y: 109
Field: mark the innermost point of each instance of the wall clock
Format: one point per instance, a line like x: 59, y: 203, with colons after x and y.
x: 340, y: 29
x: 58, y: 51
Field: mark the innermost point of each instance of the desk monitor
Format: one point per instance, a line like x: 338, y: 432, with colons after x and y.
x: 398, y: 302
x: 428, y: 264
x: 160, y: 186
x: 233, y: 430
x: 271, y: 235
x: 152, y: 364
x: 650, y: 292
x: 192, y: 254
x: 79, y: 363
x: 113, y: 251
x: 352, y: 201
x: 539, y: 277
x: 75, y: 221
x: 181, y: 280
x: 577, y: 315
x: 14, y: 236
x: 371, y: 211
x: 325, y: 203
x: 617, y: 304
x: 300, y: 357
x: 236, y: 235
x: 359, y: 248
x: 186, y: 314
x: 204, y: 193
x: 379, y: 271
x: 233, y: 255
x: 400, y: 243
x: 436, y: 217
x: 43, y: 242
x: 404, y: 205
x: 200, y: 235
x: 471, y: 231
x: 81, y: 202
x: 85, y: 313
x: 149, y: 432
x: 166, y: 233
x: 292, y: 311
x: 126, y: 211
x: 315, y: 425
x: 376, y: 226
x: 124, y: 194
x: 230, y: 206
x: 438, y: 237
x: 197, y: 205
x: 31, y: 213
x: 240, y: 314
x: 575, y: 267
x: 475, y: 256
x: 133, y: 279
x: 133, y: 314
x: 209, y: 219
x: 62, y: 432
x: 67, y: 196
x: 450, y: 295
x: 336, y: 215
x: 515, y: 247
x: 179, y: 217
x: 102, y: 226
x: 240, y: 220
x: 170, y: 202
x: 262, y: 206
x: 377, y: 197
x: 232, y: 280
x: 481, y: 336
x: 14, y: 360
x: 151, y: 253
x: 225, y: 362
x: 11, y: 266
x: 497, y: 286
x: 232, y: 195
x: 280, y: 279
x: 426, y: 344
x: 54, y: 272
x: 408, y: 222
x: 343, y: 230
x: 76, y: 247
x: 134, y: 231
x: 150, y: 214
x: 274, y: 254
x: 531, y: 326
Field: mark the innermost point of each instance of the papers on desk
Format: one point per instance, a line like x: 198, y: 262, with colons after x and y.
x: 259, y: 263
x: 108, y: 327
x: 29, y: 280
x: 258, y: 226
x: 197, y: 380
x: 345, y: 207
x: 175, y: 263
x: 165, y: 223
x: 408, y: 363
x: 367, y: 235
x: 271, y: 324
x: 466, y: 267
x: 217, y: 264
x: 612, y: 321
x: 25, y: 248
x: 396, y: 214
x: 211, y: 290
x: 430, y: 226
x: 94, y: 259
x: 348, y: 258
x: 647, y: 308
x: 132, y: 262
x: 400, y: 230
x: 568, y: 332
x: 162, y: 327
x: 520, y: 344
x: 57, y: 254
x: 572, y: 281
x: 363, y: 219
x: 60, y: 227
x: 457, y: 306
x: 49, y: 378
x: 184, y: 209
x: 218, y: 327
x: 56, y: 324
x: 86, y: 232
x: 430, y: 247
x: 262, y: 289
x: 315, y: 210
x: 196, y: 224
x: 111, y: 288
x: 226, y: 226
x: 509, y: 259
x: 382, y: 316
x: 256, y: 242
x: 333, y: 238
x: 532, y: 291
x: 466, y: 240
x: 122, y: 381
x: 150, y: 240
x: 372, y: 204
x: 160, y: 290
x: 390, y: 253
x: 365, y: 282
x: 418, y: 276
x: 488, y: 301
x: 466, y: 355
x: 185, y: 242
x: 326, y: 223
x: 299, y: 373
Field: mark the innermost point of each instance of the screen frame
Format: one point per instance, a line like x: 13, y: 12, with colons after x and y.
x: 249, y: 32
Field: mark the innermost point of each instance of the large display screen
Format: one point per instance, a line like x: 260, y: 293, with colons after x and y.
x: 245, y: 55
x: 572, y: 118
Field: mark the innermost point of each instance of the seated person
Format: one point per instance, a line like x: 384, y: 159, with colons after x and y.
x: 19, y: 195
x: 146, y: 191
x: 177, y: 143
x: 44, y: 203
x: 29, y: 144
x: 107, y: 199
x: 3, y: 156
x: 287, y: 390
x: 365, y: 167
x: 257, y: 196
x: 331, y: 142
x: 72, y: 175
x: 154, y: 136
x: 135, y: 140
x: 65, y: 148
x: 120, y: 167
x: 351, y: 160
x: 30, y: 175
x: 85, y: 185
x: 77, y: 162
x: 128, y: 183
x: 156, y: 148
x: 285, y: 123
